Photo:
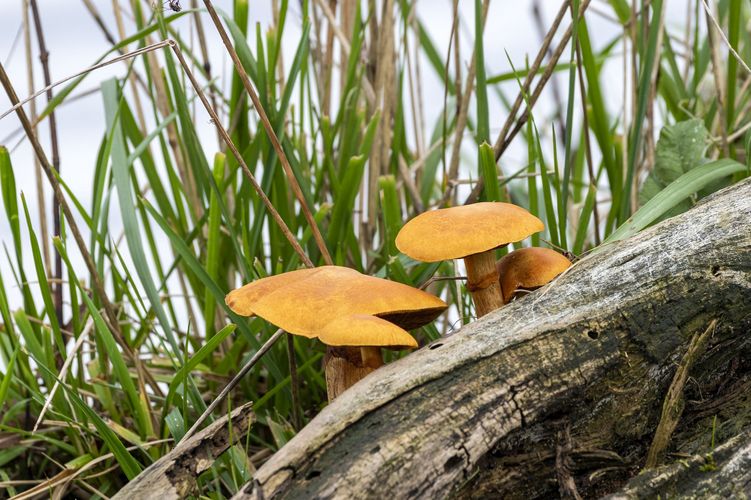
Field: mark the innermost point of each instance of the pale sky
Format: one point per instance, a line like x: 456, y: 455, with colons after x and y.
x: 75, y: 42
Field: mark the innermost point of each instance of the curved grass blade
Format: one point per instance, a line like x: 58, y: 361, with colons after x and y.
x: 677, y: 191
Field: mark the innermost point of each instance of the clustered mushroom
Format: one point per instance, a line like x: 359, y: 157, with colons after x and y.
x: 471, y: 232
x: 529, y: 269
x: 354, y: 314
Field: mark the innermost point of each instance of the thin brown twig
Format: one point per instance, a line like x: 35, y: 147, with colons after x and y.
x: 201, y: 34
x: 99, y: 21
x: 54, y: 146
x: 240, y: 160
x: 725, y: 40
x: 547, y: 40
x: 110, y: 317
x: 409, y: 184
x: 105, y: 31
x: 504, y: 140
x: 232, y: 383
x: 42, y: 206
x: 114, y: 60
x: 672, y: 406
x: 543, y: 81
x: 540, y: 26
x: 271, y: 135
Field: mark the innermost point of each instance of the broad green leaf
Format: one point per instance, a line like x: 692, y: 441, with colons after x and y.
x: 680, y: 148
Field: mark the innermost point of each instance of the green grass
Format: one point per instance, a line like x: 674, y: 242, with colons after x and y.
x: 194, y: 227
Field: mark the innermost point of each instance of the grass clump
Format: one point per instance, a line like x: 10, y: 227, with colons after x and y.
x: 105, y: 366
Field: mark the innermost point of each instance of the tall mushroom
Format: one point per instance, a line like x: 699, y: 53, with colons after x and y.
x: 353, y: 313
x: 470, y: 232
x: 529, y: 268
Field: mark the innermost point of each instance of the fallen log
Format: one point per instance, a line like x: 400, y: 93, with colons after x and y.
x: 724, y: 472
x: 558, y: 393
x: 174, y: 475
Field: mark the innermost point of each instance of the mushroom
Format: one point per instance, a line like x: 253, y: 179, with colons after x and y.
x: 471, y: 232
x: 352, y: 313
x: 529, y: 268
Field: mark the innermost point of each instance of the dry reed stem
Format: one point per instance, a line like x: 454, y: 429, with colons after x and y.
x: 132, y: 75
x: 55, y: 148
x: 44, y: 230
x: 461, y: 120
x: 345, y: 46
x: 457, y: 86
x: 557, y: 98
x: 419, y: 144
x: 547, y: 40
x: 385, y: 88
x: 128, y: 55
x: 502, y: 143
x: 272, y: 138
x: 419, y: 86
x: 238, y: 157
x: 110, y: 317
x: 328, y: 65
x: 163, y: 105
x: 64, y: 371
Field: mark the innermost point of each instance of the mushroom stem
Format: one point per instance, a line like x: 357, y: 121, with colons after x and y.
x: 345, y: 366
x: 482, y: 282
x: 371, y: 357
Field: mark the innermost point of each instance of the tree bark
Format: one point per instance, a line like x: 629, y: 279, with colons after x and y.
x: 724, y: 472
x: 556, y: 394
x: 174, y: 475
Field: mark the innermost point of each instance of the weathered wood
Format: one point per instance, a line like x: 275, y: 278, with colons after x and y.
x: 589, y: 357
x: 724, y: 472
x: 174, y: 475
x: 344, y: 367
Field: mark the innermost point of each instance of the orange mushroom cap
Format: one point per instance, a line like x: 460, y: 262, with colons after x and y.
x: 347, y: 331
x: 529, y: 268
x: 456, y: 232
x: 322, y: 301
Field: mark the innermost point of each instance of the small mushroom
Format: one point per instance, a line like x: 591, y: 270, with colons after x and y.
x: 470, y: 232
x: 352, y: 313
x: 529, y: 268
x: 347, y: 360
